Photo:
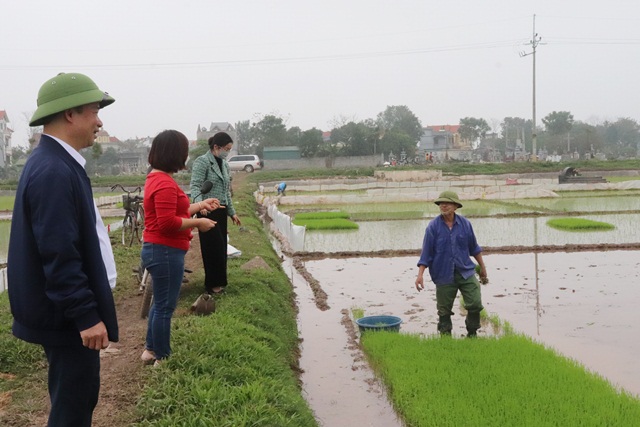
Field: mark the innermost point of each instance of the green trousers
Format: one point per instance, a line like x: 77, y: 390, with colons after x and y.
x: 446, y: 296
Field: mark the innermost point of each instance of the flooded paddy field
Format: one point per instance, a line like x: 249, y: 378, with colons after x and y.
x: 569, y: 201
x: 579, y: 303
x: 491, y: 232
x: 582, y: 305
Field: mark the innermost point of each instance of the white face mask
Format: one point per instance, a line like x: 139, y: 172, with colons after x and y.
x: 223, y: 154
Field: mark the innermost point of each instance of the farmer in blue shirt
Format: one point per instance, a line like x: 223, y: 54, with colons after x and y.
x: 281, y: 187
x: 449, y: 243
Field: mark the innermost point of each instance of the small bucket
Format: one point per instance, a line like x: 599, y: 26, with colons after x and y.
x: 379, y: 323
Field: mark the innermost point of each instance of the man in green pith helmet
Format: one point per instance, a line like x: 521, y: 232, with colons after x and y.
x: 449, y: 243
x: 62, y: 267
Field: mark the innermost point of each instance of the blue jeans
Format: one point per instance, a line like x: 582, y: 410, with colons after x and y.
x: 166, y: 267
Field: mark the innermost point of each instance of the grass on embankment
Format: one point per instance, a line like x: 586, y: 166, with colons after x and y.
x: 236, y: 367
x: 508, y: 381
x: 579, y: 224
x: 23, y: 369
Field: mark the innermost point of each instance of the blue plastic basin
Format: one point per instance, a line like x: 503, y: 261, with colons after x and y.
x: 379, y: 323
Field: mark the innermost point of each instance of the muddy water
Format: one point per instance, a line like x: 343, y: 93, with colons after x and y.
x: 338, y: 385
x: 582, y: 304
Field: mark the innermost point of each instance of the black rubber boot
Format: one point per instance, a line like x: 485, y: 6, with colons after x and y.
x: 444, y: 325
x: 473, y: 324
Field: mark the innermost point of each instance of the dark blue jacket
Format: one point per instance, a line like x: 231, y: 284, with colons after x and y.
x: 58, y: 284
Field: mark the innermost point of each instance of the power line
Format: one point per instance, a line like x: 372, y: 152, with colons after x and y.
x: 270, y: 61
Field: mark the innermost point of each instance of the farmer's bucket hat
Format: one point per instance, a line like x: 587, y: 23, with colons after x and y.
x: 448, y: 197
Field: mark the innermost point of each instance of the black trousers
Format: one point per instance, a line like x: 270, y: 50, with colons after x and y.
x: 213, y: 245
x: 74, y: 384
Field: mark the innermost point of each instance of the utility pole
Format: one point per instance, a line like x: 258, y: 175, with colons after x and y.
x: 535, y: 40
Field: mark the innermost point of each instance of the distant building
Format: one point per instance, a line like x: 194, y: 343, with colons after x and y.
x: 132, y: 154
x: 443, y: 143
x: 203, y: 134
x: 107, y: 141
x: 281, y: 153
x: 5, y: 139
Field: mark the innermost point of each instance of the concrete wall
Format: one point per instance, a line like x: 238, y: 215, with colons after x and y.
x: 389, y: 188
x: 324, y: 162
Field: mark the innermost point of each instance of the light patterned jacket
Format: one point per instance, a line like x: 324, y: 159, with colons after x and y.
x: 205, y: 168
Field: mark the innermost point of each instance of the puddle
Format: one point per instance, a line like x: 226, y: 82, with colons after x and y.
x: 584, y: 306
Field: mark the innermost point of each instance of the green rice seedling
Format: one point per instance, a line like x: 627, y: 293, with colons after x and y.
x: 321, y: 215
x: 505, y: 381
x: 327, y: 224
x: 579, y: 224
x: 357, y: 313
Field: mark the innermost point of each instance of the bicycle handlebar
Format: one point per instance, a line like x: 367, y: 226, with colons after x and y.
x: 137, y: 189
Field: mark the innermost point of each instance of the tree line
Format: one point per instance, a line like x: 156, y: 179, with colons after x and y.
x: 398, y: 129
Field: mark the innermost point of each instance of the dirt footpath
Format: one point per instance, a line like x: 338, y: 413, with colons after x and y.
x: 122, y: 373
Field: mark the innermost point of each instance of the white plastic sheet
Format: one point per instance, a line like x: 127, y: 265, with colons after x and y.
x: 293, y: 233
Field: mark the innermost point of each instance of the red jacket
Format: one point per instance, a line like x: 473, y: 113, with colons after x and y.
x: 165, y: 205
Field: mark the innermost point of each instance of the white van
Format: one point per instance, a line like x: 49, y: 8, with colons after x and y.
x: 245, y: 162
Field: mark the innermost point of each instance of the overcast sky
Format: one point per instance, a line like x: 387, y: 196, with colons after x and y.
x: 180, y: 64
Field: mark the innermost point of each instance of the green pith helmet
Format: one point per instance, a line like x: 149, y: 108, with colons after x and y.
x: 64, y: 91
x: 448, y: 197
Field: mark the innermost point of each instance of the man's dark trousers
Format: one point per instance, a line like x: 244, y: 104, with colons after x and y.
x: 74, y: 384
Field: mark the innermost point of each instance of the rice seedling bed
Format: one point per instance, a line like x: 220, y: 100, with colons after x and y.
x: 506, y: 381
x: 579, y: 224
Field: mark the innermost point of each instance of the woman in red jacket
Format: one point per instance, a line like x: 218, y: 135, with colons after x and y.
x: 167, y: 236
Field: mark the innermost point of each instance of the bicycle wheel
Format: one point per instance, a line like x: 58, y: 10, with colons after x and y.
x: 134, y: 237
x: 139, y: 224
x: 147, y: 295
x: 127, y: 228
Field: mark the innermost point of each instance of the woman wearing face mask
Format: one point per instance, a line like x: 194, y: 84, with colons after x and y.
x: 213, y: 167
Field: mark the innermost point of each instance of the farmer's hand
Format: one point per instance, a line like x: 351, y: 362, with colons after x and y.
x: 420, y: 282
x: 484, y: 279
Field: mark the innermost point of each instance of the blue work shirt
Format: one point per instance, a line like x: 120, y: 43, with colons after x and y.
x: 446, y: 250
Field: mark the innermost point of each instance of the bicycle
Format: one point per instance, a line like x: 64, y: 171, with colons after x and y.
x: 133, y: 221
